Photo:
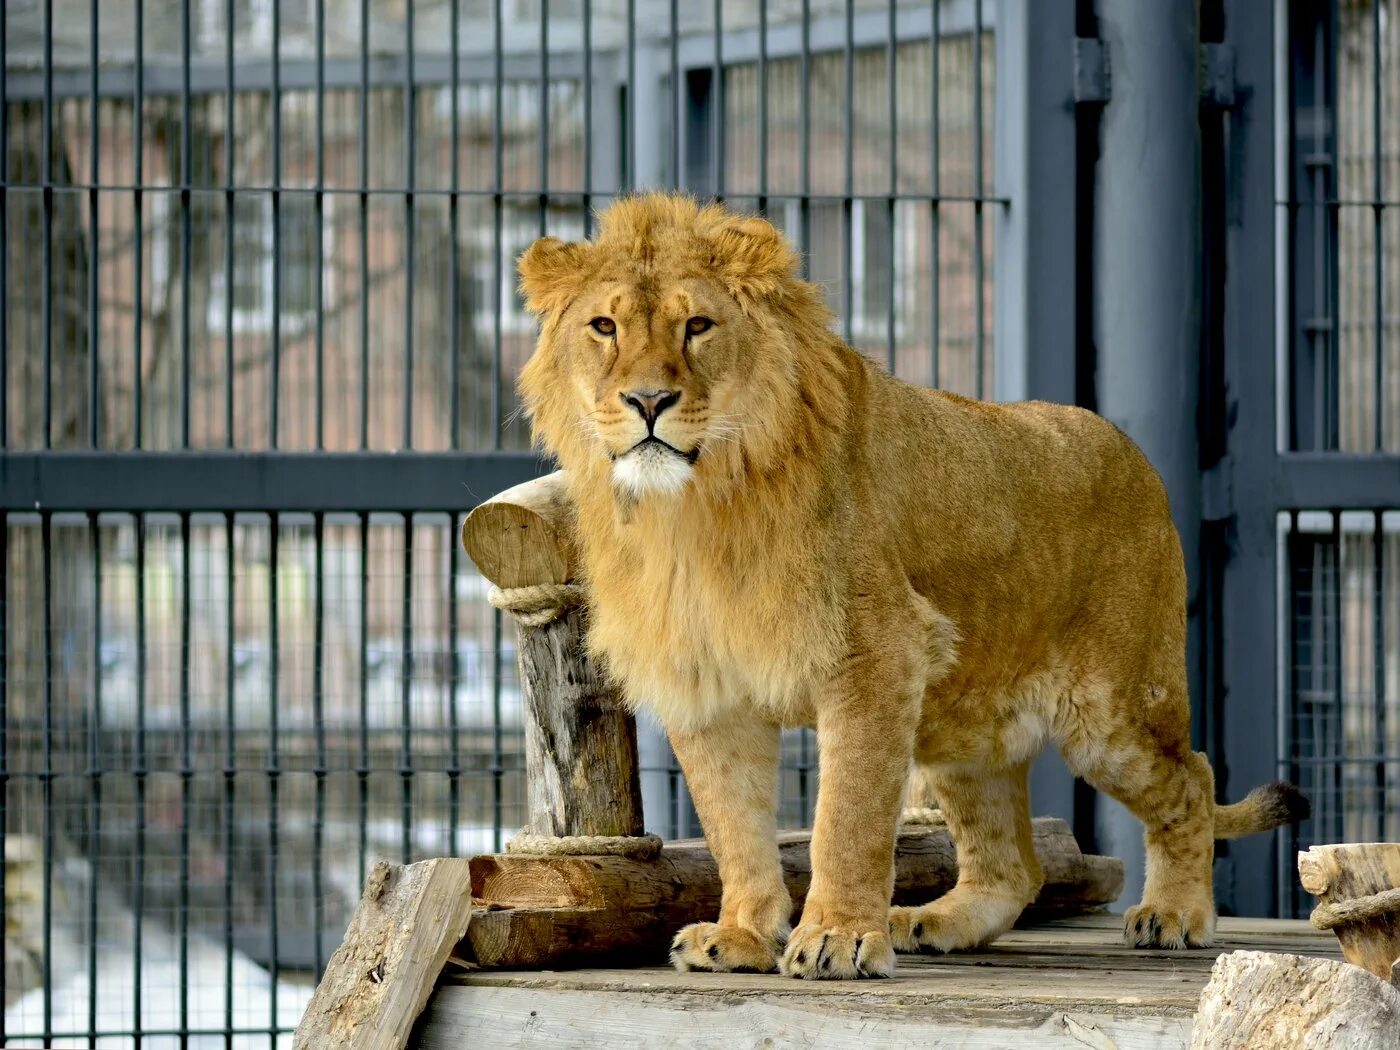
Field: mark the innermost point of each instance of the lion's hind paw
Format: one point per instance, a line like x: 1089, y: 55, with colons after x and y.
x: 722, y: 949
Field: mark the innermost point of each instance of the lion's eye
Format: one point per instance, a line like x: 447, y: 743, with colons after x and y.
x: 603, y: 325
x: 698, y: 326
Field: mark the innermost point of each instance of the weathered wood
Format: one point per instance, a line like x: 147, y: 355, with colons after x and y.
x: 522, y: 536
x: 1270, y: 1001
x: 1344, y: 877
x: 1070, y: 983
x: 580, y: 741
x: 575, y: 910
x: 399, y: 938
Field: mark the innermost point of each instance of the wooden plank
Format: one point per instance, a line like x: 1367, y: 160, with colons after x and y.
x: 378, y: 980
x: 571, y: 911
x: 513, y: 1017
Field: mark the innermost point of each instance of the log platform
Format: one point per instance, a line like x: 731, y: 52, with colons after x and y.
x: 1065, y: 983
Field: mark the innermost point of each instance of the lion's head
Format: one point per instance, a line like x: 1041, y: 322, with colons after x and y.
x: 668, y: 345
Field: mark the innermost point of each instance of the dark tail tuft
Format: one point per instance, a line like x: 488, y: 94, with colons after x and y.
x: 1267, y: 807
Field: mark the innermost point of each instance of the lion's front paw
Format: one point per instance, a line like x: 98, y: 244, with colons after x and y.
x: 825, y: 953
x: 722, y: 949
x: 1169, y: 926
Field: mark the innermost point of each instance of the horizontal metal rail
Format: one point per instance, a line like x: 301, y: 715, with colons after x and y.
x: 269, y: 481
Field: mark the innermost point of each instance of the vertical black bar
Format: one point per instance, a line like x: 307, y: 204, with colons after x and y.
x: 1378, y: 654
x: 978, y: 234
x: 892, y: 99
x: 406, y: 691
x: 95, y: 736
x: 454, y: 670
x: 138, y: 135
x: 588, y: 120
x: 229, y: 227
x: 629, y: 136
x: 409, y: 232
x: 364, y: 225
x: 848, y: 128
x: 677, y: 96
x: 318, y: 718
x: 186, y: 779
x: 544, y: 118
x: 46, y: 539
x: 453, y: 224
x: 935, y: 190
x: 717, y: 97
x: 94, y: 252
x: 4, y: 297
x: 139, y: 774
x: 274, y: 770
x: 321, y: 231
x: 763, y: 109
x: 186, y: 234
x: 498, y: 180
x: 274, y: 377
x: 1338, y: 726
x: 362, y: 766
x: 1378, y: 220
x: 46, y: 284
x: 230, y: 760
x: 4, y: 701
x: 804, y: 147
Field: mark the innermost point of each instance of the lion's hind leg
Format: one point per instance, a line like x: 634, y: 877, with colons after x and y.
x: 989, y: 816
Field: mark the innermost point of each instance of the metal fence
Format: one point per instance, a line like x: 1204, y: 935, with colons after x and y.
x: 260, y: 332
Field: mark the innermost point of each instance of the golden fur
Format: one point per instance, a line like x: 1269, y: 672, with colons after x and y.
x: 924, y: 578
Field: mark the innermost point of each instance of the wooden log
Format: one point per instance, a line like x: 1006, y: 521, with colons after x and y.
x: 1271, y: 1001
x: 580, y: 741
x: 1358, y: 885
x: 398, y: 940
x: 523, y: 536
x: 560, y: 911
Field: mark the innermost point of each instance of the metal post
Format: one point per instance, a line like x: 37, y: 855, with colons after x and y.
x: 1035, y: 300
x: 1147, y: 280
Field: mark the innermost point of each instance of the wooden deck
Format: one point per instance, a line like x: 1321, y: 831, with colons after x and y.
x: 1069, y: 983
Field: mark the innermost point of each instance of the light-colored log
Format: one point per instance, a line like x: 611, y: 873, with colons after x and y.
x: 555, y: 911
x: 1271, y: 1001
x: 380, y: 977
x: 1351, y: 881
x: 523, y: 536
x: 580, y: 741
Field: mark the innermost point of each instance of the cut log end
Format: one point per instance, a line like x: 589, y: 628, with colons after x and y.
x: 523, y: 536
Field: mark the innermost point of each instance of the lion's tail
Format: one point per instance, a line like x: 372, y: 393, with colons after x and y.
x: 1266, y: 807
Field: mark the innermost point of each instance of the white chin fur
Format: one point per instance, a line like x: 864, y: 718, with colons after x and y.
x: 651, y: 469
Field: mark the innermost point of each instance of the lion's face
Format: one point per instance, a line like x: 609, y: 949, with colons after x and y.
x: 655, y: 370
x: 656, y: 353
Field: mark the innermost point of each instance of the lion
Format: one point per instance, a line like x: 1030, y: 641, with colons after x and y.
x: 775, y: 532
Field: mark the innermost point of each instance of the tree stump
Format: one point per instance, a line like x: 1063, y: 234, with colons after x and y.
x: 1270, y: 1001
x: 1358, y: 887
x: 580, y: 740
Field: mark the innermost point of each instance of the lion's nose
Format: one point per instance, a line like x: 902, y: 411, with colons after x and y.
x: 651, y: 403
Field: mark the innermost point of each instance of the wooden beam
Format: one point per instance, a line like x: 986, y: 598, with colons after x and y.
x: 1358, y: 885
x: 524, y: 535
x: 381, y: 976
x: 568, y: 911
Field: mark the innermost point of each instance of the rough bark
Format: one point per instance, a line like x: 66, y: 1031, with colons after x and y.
x: 379, y: 979
x: 553, y: 911
x: 1270, y: 1001
x: 1342, y: 877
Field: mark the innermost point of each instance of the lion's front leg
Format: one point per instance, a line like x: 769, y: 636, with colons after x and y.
x: 866, y: 739
x: 731, y: 771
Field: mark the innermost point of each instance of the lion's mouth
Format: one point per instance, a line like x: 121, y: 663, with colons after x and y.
x: 655, y: 444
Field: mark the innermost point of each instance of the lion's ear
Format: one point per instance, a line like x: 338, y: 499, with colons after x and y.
x: 752, y: 257
x: 550, y: 271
